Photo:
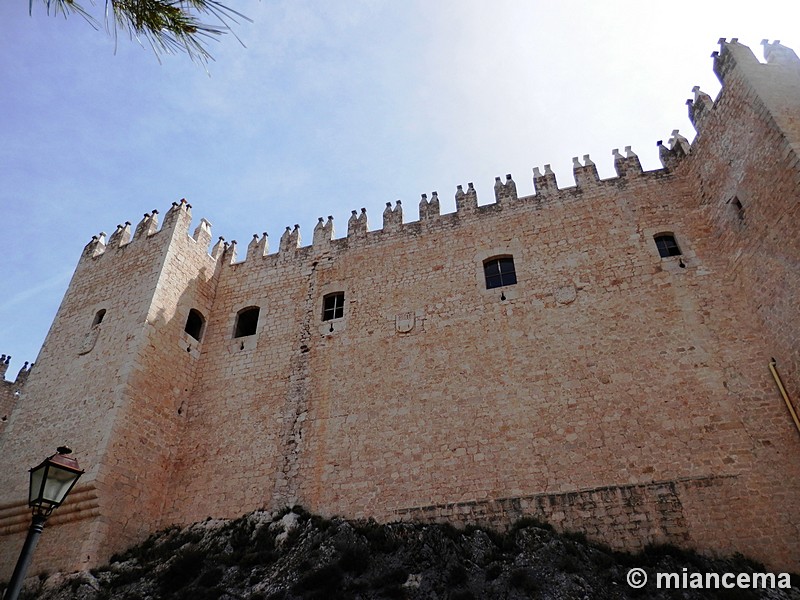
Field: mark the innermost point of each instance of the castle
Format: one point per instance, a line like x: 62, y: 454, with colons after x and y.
x: 597, y: 356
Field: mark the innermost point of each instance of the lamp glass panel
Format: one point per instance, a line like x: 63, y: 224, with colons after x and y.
x: 37, y: 475
x: 58, y: 484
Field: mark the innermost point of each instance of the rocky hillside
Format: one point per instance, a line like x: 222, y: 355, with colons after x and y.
x: 294, y: 555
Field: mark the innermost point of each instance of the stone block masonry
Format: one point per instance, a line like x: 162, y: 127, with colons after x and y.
x: 595, y: 356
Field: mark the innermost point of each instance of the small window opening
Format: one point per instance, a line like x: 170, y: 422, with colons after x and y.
x: 737, y: 205
x: 667, y: 246
x: 98, y: 318
x: 247, y: 322
x: 194, y: 324
x: 499, y: 272
x: 333, y: 306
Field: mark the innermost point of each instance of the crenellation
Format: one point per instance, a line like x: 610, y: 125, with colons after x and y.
x: 678, y: 143
x: 460, y: 199
x: 258, y: 247
x: 544, y: 185
x: 178, y: 212
x: 202, y: 233
x: 323, y: 234
x: 352, y: 223
x: 357, y: 225
x: 499, y: 190
x: 504, y: 190
x: 626, y: 165
x: 96, y: 246
x: 673, y: 154
x: 147, y: 226
x: 434, y: 211
x: 229, y: 254
x: 585, y: 175
x: 4, y: 362
x: 393, y: 217
x: 219, y: 248
x: 777, y: 53
x: 121, y: 236
x: 23, y: 374
x: 429, y: 209
x: 423, y: 207
x: 699, y: 107
x: 733, y: 57
x: 290, y: 241
x: 466, y: 201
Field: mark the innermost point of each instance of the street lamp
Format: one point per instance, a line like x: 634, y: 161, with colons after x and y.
x: 50, y: 483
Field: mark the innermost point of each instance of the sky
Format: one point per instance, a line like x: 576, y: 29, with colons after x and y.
x: 327, y: 107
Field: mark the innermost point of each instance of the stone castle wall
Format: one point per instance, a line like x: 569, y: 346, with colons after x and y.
x: 609, y: 390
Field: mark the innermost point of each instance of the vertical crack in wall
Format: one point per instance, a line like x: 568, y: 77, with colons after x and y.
x: 295, y: 412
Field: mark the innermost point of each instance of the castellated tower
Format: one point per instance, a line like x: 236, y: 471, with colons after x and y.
x: 110, y: 383
x: 596, y: 356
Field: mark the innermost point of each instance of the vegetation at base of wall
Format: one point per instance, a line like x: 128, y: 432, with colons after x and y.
x: 292, y: 555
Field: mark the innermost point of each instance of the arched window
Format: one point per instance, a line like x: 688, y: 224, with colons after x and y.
x: 246, y: 322
x: 666, y: 244
x: 499, y: 272
x: 194, y: 324
x: 333, y: 306
x: 98, y: 317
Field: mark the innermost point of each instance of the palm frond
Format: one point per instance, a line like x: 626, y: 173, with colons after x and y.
x: 167, y: 26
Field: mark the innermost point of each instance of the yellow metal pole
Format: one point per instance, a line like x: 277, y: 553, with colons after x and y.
x: 784, y: 394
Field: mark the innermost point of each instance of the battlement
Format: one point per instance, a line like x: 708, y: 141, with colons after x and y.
x: 22, y: 375
x: 545, y: 192
x: 732, y: 57
x: 177, y: 218
x: 10, y: 390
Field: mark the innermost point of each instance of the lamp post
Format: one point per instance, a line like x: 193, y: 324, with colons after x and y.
x: 51, y: 481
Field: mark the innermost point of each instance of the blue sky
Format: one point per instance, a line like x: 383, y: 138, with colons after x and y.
x: 329, y: 107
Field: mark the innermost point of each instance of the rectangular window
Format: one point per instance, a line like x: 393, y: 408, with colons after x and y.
x: 667, y: 246
x: 499, y: 272
x: 333, y: 306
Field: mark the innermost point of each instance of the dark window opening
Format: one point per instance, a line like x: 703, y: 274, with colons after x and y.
x: 737, y: 205
x: 194, y: 324
x: 98, y: 318
x: 246, y: 322
x: 499, y: 272
x: 667, y: 246
x: 333, y: 306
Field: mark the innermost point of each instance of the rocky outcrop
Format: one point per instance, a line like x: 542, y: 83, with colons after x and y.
x: 293, y: 555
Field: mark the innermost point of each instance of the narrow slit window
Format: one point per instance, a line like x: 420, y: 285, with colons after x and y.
x: 737, y: 206
x: 333, y: 306
x: 499, y: 272
x: 246, y: 322
x: 98, y: 317
x: 667, y: 246
x: 194, y: 324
